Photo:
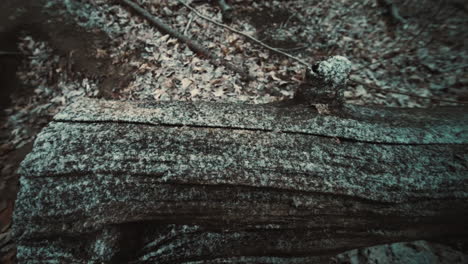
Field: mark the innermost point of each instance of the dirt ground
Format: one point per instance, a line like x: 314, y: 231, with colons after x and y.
x: 57, y: 51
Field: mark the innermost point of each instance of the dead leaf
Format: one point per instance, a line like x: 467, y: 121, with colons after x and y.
x: 186, y: 83
x: 172, y: 41
x: 218, y: 92
x: 164, y: 38
x: 194, y: 92
x: 158, y: 93
x: 144, y: 67
x: 100, y: 53
x: 323, y: 109
x: 168, y: 84
x: 237, y: 88
x: 216, y: 81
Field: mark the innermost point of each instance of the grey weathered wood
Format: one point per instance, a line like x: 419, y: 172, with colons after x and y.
x: 186, y: 182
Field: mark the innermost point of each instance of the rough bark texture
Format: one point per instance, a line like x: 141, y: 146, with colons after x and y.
x: 225, y: 183
x: 416, y: 252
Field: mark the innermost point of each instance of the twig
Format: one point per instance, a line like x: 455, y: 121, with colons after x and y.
x: 394, y: 11
x: 287, y: 20
x: 193, y: 45
x: 245, y: 35
x: 293, y: 49
x: 188, y: 25
x: 377, y: 88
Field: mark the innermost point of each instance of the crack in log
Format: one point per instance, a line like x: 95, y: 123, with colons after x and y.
x: 340, y: 139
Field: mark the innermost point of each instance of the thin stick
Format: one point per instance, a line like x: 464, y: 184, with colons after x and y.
x: 188, y: 25
x: 245, y: 35
x: 294, y: 49
x: 394, y: 11
x: 193, y: 45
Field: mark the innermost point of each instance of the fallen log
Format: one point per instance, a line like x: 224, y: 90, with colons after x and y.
x: 175, y: 182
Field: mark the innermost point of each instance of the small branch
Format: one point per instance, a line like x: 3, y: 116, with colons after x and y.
x: 188, y: 25
x: 394, y: 11
x: 193, y: 45
x: 283, y: 25
x: 245, y: 35
x: 293, y: 49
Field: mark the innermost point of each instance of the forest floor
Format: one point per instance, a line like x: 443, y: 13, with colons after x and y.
x: 61, y: 50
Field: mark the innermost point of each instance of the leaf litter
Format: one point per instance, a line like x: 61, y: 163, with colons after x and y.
x: 427, y: 56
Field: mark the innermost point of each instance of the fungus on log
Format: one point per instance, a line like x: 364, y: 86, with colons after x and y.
x: 206, y: 182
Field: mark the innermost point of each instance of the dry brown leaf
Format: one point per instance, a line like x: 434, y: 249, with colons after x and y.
x: 168, y: 84
x: 101, y: 53
x: 158, y: 93
x: 218, y: 92
x: 194, y: 92
x: 216, y: 81
x: 186, y: 83
x: 322, y: 109
x: 164, y: 38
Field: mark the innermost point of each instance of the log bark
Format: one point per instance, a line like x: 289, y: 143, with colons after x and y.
x: 175, y: 182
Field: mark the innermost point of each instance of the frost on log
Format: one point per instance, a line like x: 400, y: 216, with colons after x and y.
x: 175, y: 182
